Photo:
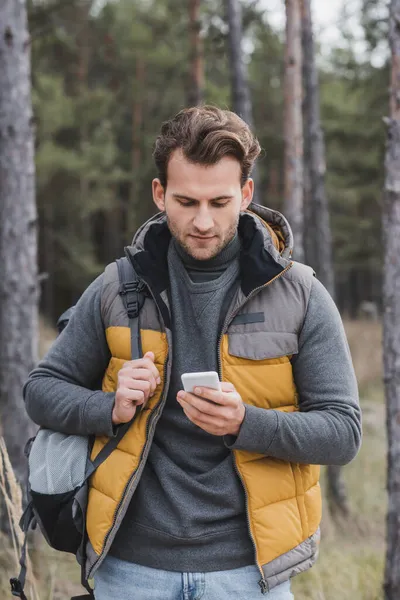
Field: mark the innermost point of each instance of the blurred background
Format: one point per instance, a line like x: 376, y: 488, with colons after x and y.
x: 105, y: 75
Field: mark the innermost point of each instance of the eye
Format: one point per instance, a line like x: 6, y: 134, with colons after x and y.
x: 219, y: 205
x: 186, y: 202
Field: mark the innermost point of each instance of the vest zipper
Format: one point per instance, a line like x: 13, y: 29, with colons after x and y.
x: 262, y: 583
x: 143, y: 457
x: 157, y: 409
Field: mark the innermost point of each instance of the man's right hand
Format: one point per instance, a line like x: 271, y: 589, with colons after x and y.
x: 137, y: 381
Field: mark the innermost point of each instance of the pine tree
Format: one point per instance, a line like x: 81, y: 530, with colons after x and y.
x: 241, y: 100
x: 317, y: 230
x: 391, y: 343
x: 240, y: 90
x: 18, y: 230
x: 196, y: 67
x: 293, y: 127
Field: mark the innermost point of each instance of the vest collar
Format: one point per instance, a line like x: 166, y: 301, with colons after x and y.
x: 266, y: 238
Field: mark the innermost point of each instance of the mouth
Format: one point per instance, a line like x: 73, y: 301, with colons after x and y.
x: 203, y: 238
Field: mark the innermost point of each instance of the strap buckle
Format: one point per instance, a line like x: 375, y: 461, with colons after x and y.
x: 131, y: 291
x: 132, y: 287
x: 129, y: 287
x: 16, y: 588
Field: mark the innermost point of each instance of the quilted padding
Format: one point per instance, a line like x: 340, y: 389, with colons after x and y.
x: 111, y: 478
x: 284, y: 500
x: 276, y: 529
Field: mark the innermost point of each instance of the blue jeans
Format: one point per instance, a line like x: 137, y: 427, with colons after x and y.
x: 120, y: 580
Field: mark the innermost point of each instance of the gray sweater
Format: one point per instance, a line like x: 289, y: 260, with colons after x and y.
x: 188, y: 512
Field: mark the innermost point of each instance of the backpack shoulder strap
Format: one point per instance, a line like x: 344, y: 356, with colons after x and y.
x: 131, y: 290
x: 26, y: 523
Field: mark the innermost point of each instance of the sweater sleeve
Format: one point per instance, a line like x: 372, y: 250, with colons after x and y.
x: 64, y: 392
x: 327, y: 428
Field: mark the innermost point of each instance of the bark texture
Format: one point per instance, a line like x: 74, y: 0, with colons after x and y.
x: 317, y: 226
x: 18, y: 230
x: 391, y: 293
x: 196, y: 79
x: 133, y: 219
x: 317, y: 230
x: 241, y: 97
x: 241, y: 100
x: 293, y: 127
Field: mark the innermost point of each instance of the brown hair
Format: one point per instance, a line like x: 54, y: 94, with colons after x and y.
x: 206, y: 134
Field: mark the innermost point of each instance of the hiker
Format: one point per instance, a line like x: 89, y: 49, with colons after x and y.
x: 213, y: 494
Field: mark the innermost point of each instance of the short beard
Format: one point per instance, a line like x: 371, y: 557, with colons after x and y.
x: 230, y: 234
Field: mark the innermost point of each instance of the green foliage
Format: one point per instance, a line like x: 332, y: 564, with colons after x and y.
x: 104, y: 81
x: 354, y: 105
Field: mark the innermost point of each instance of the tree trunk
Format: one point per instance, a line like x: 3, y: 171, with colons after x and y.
x: 391, y: 320
x: 320, y: 254
x: 241, y: 98
x: 18, y: 230
x: 293, y: 127
x: 196, y: 75
x: 317, y: 230
x: 133, y: 218
x: 83, y: 90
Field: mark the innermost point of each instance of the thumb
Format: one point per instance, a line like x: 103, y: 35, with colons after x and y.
x: 150, y: 355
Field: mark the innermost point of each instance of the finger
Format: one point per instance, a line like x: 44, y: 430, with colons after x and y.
x: 226, y: 386
x: 127, y: 396
x: 149, y: 364
x: 131, y: 376
x: 147, y: 359
x: 143, y: 386
x: 214, y: 395
x: 143, y: 364
x: 201, y: 419
x: 203, y: 406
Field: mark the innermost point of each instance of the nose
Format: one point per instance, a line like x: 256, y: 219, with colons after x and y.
x: 203, y: 221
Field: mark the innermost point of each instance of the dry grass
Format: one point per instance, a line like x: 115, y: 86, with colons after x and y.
x: 350, y: 566
x: 10, y: 491
x: 351, y: 562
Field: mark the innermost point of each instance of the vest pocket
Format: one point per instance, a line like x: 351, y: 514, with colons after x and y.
x: 258, y: 364
x: 263, y: 345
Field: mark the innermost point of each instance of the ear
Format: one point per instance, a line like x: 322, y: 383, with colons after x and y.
x: 158, y: 194
x: 247, y: 194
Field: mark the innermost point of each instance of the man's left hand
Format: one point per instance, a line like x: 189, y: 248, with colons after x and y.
x: 222, y: 416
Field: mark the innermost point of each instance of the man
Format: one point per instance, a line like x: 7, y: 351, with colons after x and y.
x: 212, y: 495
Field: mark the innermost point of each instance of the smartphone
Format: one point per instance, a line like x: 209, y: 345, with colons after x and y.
x: 207, y: 379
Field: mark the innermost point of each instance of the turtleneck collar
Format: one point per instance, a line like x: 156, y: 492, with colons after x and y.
x: 226, y: 256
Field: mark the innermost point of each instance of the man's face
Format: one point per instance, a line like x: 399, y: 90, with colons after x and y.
x: 203, y: 203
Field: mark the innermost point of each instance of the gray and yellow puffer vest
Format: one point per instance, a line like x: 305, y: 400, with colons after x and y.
x: 283, y: 499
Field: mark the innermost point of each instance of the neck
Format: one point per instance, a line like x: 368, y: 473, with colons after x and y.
x: 224, y: 257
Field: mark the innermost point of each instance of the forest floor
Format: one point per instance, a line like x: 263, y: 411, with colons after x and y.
x: 351, y: 561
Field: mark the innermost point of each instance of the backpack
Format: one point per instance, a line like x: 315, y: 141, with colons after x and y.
x: 59, y: 465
